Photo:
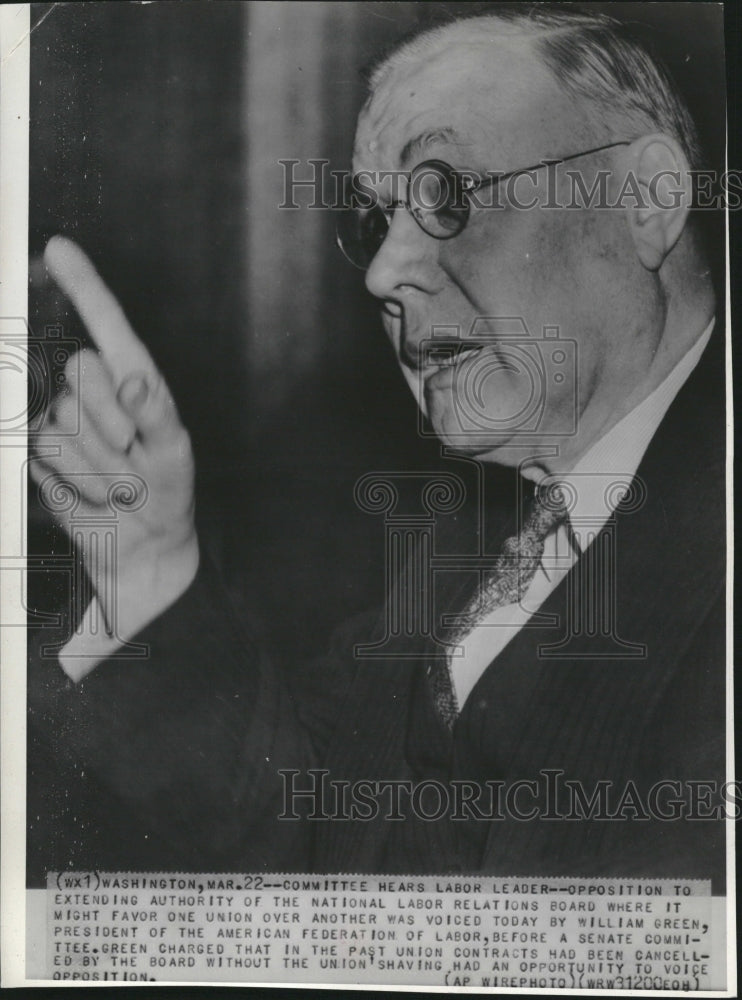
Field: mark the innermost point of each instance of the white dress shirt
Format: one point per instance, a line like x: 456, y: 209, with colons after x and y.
x: 613, y: 459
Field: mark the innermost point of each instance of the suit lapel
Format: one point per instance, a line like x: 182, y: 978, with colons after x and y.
x: 531, y: 709
x: 543, y: 711
x: 388, y: 728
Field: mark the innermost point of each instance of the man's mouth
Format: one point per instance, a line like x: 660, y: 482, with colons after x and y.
x: 449, y: 355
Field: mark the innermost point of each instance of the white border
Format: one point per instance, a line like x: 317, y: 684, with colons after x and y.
x: 14, y: 125
x: 14, y: 177
x: 730, y: 823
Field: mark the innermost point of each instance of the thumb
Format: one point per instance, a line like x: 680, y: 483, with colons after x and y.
x: 149, y: 405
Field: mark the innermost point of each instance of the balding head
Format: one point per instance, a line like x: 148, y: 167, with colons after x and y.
x: 493, y: 95
x: 598, y: 62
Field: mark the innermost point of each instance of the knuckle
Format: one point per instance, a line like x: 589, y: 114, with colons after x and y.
x: 117, y: 430
x: 45, y: 426
x: 95, y: 488
x: 68, y: 464
x: 72, y: 367
x: 66, y: 412
x: 36, y: 469
x: 121, y: 441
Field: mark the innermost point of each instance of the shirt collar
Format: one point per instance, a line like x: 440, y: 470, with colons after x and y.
x: 599, y: 481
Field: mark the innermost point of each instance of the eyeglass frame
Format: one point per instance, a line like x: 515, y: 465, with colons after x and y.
x: 467, y: 191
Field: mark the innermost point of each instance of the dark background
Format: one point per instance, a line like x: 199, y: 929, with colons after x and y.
x: 155, y: 135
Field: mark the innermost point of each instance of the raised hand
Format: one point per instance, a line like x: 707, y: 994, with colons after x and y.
x: 117, y: 424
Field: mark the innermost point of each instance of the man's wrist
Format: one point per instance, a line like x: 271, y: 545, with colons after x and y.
x: 134, y: 597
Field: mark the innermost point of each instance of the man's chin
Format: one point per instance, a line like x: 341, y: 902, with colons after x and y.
x: 475, y: 442
x: 460, y: 431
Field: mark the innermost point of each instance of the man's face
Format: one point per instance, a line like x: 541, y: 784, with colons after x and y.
x: 493, y: 108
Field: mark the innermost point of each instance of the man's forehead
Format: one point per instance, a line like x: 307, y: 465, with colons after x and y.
x: 467, y: 93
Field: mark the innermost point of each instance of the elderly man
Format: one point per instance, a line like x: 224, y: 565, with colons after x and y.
x: 588, y: 658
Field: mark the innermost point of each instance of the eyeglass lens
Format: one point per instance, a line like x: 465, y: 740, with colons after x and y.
x: 435, y: 199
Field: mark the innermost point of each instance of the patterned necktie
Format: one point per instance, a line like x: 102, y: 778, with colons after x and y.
x: 507, y: 583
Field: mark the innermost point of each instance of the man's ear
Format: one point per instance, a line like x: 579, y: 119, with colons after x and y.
x: 657, y: 218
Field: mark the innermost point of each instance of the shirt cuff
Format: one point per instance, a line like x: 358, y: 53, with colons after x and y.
x: 90, y: 644
x: 97, y: 639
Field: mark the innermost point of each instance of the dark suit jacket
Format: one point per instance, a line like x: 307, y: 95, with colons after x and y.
x: 186, y: 746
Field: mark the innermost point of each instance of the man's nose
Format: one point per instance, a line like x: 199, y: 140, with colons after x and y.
x: 403, y: 259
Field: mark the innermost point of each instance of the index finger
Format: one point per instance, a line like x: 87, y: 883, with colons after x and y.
x: 122, y: 351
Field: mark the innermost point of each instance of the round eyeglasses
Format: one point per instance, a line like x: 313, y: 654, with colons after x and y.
x: 439, y: 199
